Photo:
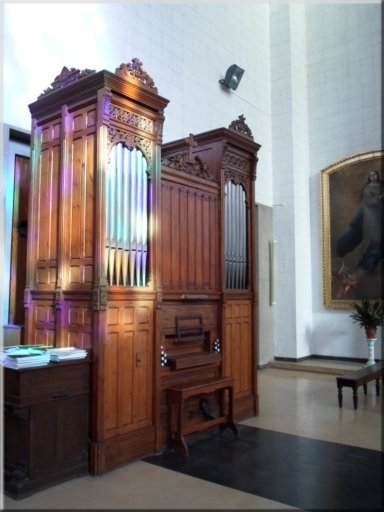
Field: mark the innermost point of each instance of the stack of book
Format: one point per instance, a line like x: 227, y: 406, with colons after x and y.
x: 19, y: 358
x: 66, y: 354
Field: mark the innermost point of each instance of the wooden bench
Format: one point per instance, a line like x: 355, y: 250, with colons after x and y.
x: 177, y: 397
x: 360, y: 378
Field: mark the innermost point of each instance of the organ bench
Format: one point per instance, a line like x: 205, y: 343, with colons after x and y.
x: 178, y: 396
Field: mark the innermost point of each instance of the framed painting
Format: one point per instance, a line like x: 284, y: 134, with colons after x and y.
x: 352, y: 213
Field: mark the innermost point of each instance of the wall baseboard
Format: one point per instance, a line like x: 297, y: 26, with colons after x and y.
x: 328, y: 358
x: 291, y: 359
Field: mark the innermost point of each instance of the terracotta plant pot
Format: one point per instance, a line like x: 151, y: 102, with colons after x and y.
x: 371, y: 332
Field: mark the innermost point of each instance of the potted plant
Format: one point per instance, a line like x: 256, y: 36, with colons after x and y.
x: 369, y: 315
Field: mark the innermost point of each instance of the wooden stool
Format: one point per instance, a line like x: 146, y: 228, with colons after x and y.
x: 360, y: 378
x: 177, y: 397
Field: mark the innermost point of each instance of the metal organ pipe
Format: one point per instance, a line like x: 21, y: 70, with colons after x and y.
x: 235, y: 247
x: 226, y: 234
x: 127, y: 218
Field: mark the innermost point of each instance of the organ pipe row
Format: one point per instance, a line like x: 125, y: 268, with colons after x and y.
x: 126, y: 250
x: 236, y: 260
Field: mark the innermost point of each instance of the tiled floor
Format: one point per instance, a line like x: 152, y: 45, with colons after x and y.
x: 299, y: 403
x: 303, y: 472
x: 305, y: 404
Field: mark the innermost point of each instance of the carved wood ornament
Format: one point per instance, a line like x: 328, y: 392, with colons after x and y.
x: 236, y: 169
x: 66, y: 77
x: 187, y: 162
x: 130, y: 118
x: 181, y: 162
x: 115, y: 135
x: 134, y: 70
x: 240, y: 126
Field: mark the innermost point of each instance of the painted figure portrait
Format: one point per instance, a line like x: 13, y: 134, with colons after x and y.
x: 353, y: 242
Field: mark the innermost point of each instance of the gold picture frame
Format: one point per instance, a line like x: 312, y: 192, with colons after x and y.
x: 352, y: 208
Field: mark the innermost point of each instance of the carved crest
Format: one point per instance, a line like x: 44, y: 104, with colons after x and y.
x: 182, y: 162
x: 240, y: 126
x: 134, y: 69
x: 67, y: 77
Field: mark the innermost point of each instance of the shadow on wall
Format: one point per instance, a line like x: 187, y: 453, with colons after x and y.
x: 336, y: 335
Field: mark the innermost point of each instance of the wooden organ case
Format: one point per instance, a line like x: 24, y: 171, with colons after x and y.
x: 207, y: 265
x: 132, y: 257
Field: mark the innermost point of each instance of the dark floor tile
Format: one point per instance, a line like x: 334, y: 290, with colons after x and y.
x: 301, y: 472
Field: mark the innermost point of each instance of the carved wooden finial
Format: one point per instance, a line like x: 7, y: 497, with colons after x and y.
x: 191, y: 144
x: 66, y: 77
x: 134, y: 69
x: 240, y: 126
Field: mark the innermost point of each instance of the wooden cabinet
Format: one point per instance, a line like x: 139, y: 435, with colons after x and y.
x: 93, y: 243
x: 46, y: 425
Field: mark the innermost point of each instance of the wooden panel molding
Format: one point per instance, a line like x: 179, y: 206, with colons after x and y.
x: 190, y: 239
x: 79, y: 199
x: 128, y: 366
x: 47, y: 200
x: 238, y: 347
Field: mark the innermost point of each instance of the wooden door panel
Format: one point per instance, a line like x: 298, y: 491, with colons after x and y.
x: 47, y: 214
x: 80, y: 199
x: 77, y: 324
x: 73, y: 435
x: 128, y: 366
x: 125, y: 378
x: 111, y: 381
x: 142, y: 393
x: 44, y: 433
x: 42, y: 323
x: 238, y: 350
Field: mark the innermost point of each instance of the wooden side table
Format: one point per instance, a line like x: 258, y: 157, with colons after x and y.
x: 45, y: 425
x: 360, y: 378
x: 177, y: 398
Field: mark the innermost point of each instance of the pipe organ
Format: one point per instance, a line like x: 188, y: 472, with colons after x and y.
x: 143, y: 254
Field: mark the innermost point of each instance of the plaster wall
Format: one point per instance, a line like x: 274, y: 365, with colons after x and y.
x: 326, y: 106
x: 344, y: 70
x: 185, y: 46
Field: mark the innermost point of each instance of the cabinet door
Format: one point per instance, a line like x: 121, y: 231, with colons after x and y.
x: 59, y: 435
x: 73, y: 431
x: 128, y: 367
x: 43, y: 438
x: 238, y: 350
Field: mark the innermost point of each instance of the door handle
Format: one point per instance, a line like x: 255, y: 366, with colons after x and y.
x: 139, y: 359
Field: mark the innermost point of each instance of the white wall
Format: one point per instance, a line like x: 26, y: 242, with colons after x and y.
x: 326, y: 105
x: 264, y: 223
x: 293, y: 315
x: 344, y: 66
x: 185, y: 46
